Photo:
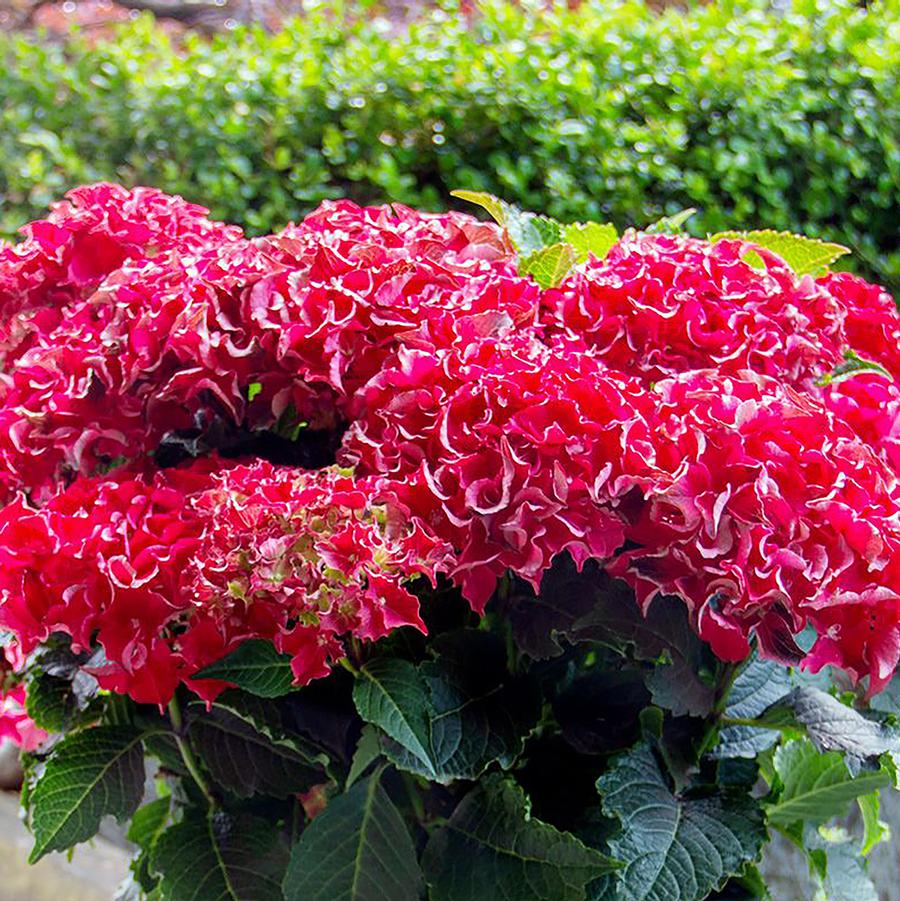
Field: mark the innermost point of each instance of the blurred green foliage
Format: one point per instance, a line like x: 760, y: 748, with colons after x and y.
x: 788, y: 120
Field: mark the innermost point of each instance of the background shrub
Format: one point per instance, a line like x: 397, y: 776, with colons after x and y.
x: 788, y: 119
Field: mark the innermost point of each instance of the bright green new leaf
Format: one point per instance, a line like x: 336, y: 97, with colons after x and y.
x: 803, y: 255
x: 815, y: 786
x: 590, y: 238
x: 670, y: 225
x: 549, y: 266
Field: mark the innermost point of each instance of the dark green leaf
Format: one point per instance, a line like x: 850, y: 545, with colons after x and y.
x: 813, y: 787
x: 759, y: 685
x: 664, y: 636
x: 357, y: 849
x: 54, y: 703
x: 90, y: 775
x: 368, y: 750
x: 833, y: 726
x: 219, y: 857
x: 451, y: 718
x: 675, y: 849
x: 246, y: 751
x: 491, y: 847
x: 148, y: 823
x: 541, y: 622
x: 256, y: 667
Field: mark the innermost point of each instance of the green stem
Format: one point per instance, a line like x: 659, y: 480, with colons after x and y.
x: 187, y: 753
x: 744, y: 721
x: 415, y: 798
x: 350, y: 667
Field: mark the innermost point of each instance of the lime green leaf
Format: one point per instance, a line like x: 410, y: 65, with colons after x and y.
x: 357, y: 849
x: 670, y: 225
x: 852, y: 365
x: 875, y: 831
x: 527, y: 231
x: 495, y: 207
x: 148, y: 822
x: 813, y: 787
x: 256, y: 667
x: 675, y: 849
x: 803, y: 255
x: 492, y: 845
x: 220, y: 857
x: 253, y: 389
x: 549, y: 266
x: 90, y: 775
x: 590, y: 238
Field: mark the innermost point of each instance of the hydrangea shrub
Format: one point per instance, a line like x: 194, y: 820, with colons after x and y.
x: 399, y: 556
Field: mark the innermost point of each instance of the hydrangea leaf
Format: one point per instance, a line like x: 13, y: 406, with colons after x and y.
x: 674, y: 848
x: 528, y: 232
x: 149, y: 821
x: 759, y: 685
x: 803, y: 255
x: 492, y: 844
x: 875, y: 830
x: 839, y: 868
x: 254, y: 666
x: 451, y: 718
x: 147, y: 825
x: 541, y: 622
x: 590, y: 238
x: 670, y: 225
x: 813, y: 786
x: 220, y: 857
x: 368, y: 750
x: 663, y: 637
x: 246, y: 751
x: 495, y: 207
x: 550, y: 265
x: 91, y: 774
x: 852, y: 365
x: 833, y: 726
x: 357, y: 849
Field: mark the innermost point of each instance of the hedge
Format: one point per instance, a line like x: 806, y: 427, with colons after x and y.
x: 609, y: 111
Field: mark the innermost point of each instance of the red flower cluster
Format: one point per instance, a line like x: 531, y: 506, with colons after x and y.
x: 15, y: 724
x: 659, y: 411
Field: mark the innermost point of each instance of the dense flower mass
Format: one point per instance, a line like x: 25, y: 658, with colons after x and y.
x: 176, y: 399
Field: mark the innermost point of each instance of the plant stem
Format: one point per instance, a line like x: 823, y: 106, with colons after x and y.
x: 744, y: 721
x: 349, y: 667
x: 187, y: 753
